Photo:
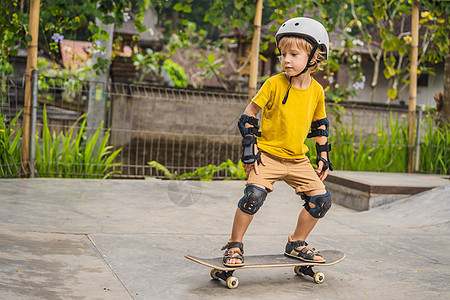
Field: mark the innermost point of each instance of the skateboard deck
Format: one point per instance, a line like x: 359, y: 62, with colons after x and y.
x: 219, y: 271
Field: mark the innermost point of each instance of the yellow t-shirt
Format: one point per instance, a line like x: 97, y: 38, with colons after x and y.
x: 284, y: 127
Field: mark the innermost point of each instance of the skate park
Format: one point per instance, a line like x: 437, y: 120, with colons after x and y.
x: 125, y: 239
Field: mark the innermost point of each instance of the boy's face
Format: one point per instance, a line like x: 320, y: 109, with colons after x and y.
x: 293, y: 60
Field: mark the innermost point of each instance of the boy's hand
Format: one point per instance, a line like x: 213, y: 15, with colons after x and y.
x: 248, y: 167
x: 322, y: 174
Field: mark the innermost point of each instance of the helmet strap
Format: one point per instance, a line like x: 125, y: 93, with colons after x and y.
x: 289, y: 87
x: 308, y: 65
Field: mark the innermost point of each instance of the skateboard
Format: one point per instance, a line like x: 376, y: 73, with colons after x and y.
x: 219, y: 271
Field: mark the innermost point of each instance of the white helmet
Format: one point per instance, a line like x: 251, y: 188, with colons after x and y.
x: 309, y: 29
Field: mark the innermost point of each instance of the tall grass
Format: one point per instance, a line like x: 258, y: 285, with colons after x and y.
x: 386, y: 149
x: 206, y: 173
x: 66, y: 157
x: 10, y: 147
x: 435, y: 148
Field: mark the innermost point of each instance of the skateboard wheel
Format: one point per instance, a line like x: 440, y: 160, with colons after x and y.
x: 232, y: 282
x: 319, y: 277
x: 215, y: 273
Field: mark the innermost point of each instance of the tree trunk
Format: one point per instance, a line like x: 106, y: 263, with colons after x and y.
x: 413, y: 84
x: 376, y: 74
x: 31, y: 65
x: 254, y: 59
x: 445, y: 110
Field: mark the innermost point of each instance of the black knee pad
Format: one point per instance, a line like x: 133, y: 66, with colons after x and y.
x: 253, y: 199
x: 322, y: 204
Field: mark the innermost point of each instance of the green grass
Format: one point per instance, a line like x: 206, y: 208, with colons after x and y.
x: 386, y: 149
x: 10, y: 148
x: 65, y: 156
x: 435, y: 148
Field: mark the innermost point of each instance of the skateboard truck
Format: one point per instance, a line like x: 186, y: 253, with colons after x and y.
x: 227, y: 276
x: 318, y: 277
x: 233, y: 282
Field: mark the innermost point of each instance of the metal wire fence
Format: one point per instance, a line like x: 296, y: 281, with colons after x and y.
x: 181, y: 129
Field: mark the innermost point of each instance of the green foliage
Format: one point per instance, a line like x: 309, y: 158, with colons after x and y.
x: 386, y: 149
x: 206, y: 173
x: 198, y: 55
x: 70, y: 81
x: 152, y: 63
x: 345, y: 54
x: 211, y: 65
x: 176, y: 73
x: 10, y: 147
x: 13, y: 26
x: 69, y: 156
x: 61, y: 19
x: 381, y: 151
x: 435, y: 148
x: 387, y: 21
x: 234, y: 171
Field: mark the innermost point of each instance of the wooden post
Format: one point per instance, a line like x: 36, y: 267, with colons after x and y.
x: 445, y: 110
x: 253, y: 82
x: 31, y: 65
x: 413, y: 84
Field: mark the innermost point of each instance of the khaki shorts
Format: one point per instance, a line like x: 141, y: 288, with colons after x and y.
x: 298, y: 173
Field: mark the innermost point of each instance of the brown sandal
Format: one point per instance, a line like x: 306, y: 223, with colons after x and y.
x: 237, y: 254
x: 305, y: 254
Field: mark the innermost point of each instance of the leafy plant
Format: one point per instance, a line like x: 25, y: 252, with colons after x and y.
x: 234, y: 171
x: 435, y: 148
x: 386, y: 149
x: 176, y: 73
x: 206, y: 173
x: 10, y: 147
x: 152, y: 63
x: 67, y: 83
x: 66, y: 157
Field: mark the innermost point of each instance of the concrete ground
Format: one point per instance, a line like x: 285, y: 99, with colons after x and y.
x: 95, y: 239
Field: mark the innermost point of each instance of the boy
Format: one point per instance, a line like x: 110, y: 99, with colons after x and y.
x: 293, y: 102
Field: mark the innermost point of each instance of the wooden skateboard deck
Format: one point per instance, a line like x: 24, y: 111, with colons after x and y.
x: 219, y: 271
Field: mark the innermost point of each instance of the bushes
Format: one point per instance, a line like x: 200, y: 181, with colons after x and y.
x: 386, y: 149
x: 9, y: 147
x: 435, y: 149
x: 67, y: 155
x: 71, y: 154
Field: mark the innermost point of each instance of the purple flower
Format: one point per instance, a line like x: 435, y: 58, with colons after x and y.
x: 330, y: 79
x: 360, y: 85
x: 97, y: 47
x: 126, y: 16
x: 58, y: 38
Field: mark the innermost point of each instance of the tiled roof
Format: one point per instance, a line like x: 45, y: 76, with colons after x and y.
x: 75, y: 54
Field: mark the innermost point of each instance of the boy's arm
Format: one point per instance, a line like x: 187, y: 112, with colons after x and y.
x: 322, y: 140
x: 252, y: 110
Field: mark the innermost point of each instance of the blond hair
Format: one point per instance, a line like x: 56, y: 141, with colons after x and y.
x: 302, y: 44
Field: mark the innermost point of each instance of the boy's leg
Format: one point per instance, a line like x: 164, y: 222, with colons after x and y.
x: 306, y: 223
x: 240, y: 225
x: 269, y: 172
x: 304, y: 179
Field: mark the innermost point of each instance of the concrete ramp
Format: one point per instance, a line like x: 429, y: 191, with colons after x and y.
x: 367, y: 190
x: 427, y: 209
